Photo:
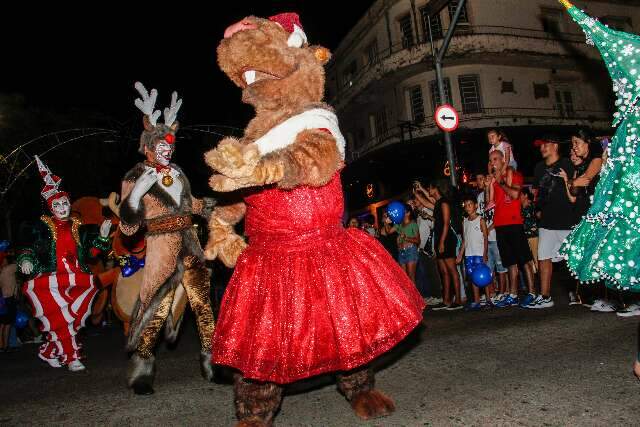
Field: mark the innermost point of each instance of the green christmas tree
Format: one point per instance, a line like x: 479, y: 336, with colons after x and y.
x: 605, y: 246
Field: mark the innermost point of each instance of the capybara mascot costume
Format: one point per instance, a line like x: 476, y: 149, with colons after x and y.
x: 307, y: 296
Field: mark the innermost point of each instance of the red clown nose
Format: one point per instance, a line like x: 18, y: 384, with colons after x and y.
x: 170, y: 138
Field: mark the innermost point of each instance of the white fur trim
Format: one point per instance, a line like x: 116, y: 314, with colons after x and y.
x: 175, y: 189
x: 286, y: 132
x: 297, y: 38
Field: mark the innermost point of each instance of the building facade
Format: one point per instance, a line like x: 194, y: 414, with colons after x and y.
x: 515, y: 64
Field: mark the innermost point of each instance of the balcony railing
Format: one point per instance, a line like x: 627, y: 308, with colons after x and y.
x: 424, y: 45
x: 525, y: 116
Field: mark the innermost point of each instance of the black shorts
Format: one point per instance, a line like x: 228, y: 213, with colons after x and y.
x: 450, y: 244
x: 10, y: 314
x: 513, y: 245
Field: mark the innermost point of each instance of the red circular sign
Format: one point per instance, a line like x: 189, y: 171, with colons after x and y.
x: 447, y: 118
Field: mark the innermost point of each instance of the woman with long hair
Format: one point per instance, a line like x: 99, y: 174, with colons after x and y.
x: 445, y: 242
x: 587, y: 171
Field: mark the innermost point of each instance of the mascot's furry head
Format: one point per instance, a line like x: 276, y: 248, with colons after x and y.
x: 272, y: 62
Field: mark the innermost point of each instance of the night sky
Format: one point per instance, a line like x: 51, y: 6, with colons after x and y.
x: 75, y: 66
x: 90, y: 56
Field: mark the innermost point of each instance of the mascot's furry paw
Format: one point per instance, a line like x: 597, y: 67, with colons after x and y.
x: 372, y: 404
x: 233, y: 159
x: 225, y: 246
x: 231, y: 250
x: 224, y: 184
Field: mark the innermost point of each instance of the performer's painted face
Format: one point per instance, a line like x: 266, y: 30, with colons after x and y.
x: 61, y: 208
x: 163, y: 153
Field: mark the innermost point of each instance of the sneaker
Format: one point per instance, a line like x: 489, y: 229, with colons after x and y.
x: 437, y: 307
x: 497, y: 298
x: 603, y: 306
x: 535, y: 302
x: 630, y: 311
x: 35, y: 340
x: 76, y: 366
x: 527, y: 300
x: 542, y: 302
x: 572, y: 299
x: 453, y: 307
x: 432, y: 301
x: 507, y: 301
x: 474, y: 306
x: 54, y: 363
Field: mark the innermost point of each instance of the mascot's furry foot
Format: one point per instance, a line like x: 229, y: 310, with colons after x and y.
x: 252, y: 423
x: 206, y: 369
x: 372, y: 404
x: 141, y: 374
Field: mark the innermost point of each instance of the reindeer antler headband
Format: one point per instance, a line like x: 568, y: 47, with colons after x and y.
x: 153, y: 129
x: 148, y: 103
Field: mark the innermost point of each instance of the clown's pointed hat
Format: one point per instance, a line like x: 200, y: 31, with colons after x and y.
x: 51, y: 189
x: 621, y: 53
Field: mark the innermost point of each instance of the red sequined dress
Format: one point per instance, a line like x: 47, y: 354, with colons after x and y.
x: 307, y: 295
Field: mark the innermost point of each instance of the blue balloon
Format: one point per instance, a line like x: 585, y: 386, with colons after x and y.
x: 127, y: 270
x: 4, y: 245
x: 22, y: 319
x: 395, y: 210
x: 481, y: 275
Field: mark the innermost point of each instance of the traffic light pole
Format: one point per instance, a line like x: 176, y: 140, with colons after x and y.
x: 438, y: 57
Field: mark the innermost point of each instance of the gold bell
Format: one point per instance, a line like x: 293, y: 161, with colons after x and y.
x: 167, y: 180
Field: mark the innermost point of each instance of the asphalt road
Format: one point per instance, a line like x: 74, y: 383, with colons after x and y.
x: 561, y: 366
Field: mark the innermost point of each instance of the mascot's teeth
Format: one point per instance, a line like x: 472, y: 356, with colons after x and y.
x: 250, y: 76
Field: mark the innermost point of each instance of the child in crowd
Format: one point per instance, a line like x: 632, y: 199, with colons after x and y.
x: 499, y: 141
x: 408, y: 243
x: 474, y: 246
x: 530, y: 224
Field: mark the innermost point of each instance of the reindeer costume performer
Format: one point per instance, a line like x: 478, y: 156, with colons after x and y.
x: 156, y: 195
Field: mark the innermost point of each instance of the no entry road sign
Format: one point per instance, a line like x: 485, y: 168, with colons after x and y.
x: 447, y: 118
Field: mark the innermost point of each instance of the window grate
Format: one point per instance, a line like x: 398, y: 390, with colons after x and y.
x: 470, y: 93
x: 435, y: 95
x: 417, y: 104
x: 407, y: 31
x: 436, y: 24
x: 464, y: 17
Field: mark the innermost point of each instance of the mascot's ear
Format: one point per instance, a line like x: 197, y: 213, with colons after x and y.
x: 321, y: 54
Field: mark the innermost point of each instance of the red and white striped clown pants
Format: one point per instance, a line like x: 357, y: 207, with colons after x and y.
x: 62, y: 302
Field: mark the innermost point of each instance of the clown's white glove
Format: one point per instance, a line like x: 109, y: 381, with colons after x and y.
x: 26, y: 267
x: 105, y: 227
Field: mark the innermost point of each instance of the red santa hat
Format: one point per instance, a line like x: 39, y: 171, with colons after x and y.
x: 291, y: 23
x: 51, y: 190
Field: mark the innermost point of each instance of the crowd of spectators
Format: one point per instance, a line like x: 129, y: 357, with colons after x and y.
x: 516, y: 229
